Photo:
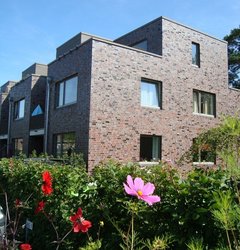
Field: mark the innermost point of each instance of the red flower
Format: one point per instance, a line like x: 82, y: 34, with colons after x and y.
x: 40, y: 207
x: 18, y: 203
x: 79, y: 223
x: 25, y: 247
x: 47, y: 183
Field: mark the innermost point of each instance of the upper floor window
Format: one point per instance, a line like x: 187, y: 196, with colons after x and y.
x: 143, y: 45
x: 37, y: 111
x: 150, y: 93
x: 196, y: 54
x: 67, y: 91
x: 19, y: 109
x: 204, y: 103
x: 150, y: 148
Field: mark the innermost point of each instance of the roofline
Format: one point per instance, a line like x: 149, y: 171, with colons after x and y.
x: 172, y: 21
x: 32, y: 75
x: 188, y: 27
x: 109, y: 42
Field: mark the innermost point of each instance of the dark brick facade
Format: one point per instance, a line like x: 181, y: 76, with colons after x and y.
x: 107, y: 117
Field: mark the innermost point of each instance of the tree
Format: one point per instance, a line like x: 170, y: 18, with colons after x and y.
x: 233, y: 40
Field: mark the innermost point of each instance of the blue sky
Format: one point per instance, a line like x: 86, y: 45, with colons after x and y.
x: 30, y: 30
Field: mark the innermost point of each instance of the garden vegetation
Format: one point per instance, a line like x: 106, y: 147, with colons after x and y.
x: 125, y: 206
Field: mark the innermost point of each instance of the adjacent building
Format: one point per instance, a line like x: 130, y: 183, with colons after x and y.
x: 143, y: 97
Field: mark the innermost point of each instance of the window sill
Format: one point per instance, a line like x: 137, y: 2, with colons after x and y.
x: 151, y: 107
x: 66, y: 105
x: 148, y: 163
x: 203, y: 163
x: 206, y: 115
x: 195, y: 66
x: 19, y: 119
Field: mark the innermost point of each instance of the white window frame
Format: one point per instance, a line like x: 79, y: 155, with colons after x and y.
x: 149, y: 99
x: 197, y: 103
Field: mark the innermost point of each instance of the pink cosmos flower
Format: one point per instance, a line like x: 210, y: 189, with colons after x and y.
x: 143, y: 192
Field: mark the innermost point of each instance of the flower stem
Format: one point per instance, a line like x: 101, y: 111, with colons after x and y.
x: 229, y: 242
x: 132, y: 242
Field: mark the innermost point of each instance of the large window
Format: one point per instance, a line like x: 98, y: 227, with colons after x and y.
x: 196, y: 54
x: 19, y: 109
x: 150, y: 148
x: 65, y: 144
x: 67, y: 91
x: 204, y: 103
x: 18, y: 146
x: 150, y: 93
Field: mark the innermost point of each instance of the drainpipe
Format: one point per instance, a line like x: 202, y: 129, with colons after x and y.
x: 49, y: 79
x: 9, y: 125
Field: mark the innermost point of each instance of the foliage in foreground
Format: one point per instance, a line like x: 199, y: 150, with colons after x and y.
x: 184, y: 213
x: 198, y: 212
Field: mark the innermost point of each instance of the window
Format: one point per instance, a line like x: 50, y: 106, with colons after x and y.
x: 196, y: 54
x: 150, y: 148
x: 18, y: 146
x: 204, y: 153
x: 150, y: 93
x: 37, y: 111
x: 67, y: 92
x: 19, y: 109
x: 65, y: 144
x: 143, y: 45
x: 204, y: 103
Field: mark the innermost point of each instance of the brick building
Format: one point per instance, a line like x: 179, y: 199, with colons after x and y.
x: 143, y: 97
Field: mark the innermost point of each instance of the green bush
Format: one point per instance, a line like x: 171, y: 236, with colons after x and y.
x: 184, y: 213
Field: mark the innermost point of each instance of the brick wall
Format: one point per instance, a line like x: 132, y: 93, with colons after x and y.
x: 20, y: 128
x: 74, y: 117
x: 117, y: 118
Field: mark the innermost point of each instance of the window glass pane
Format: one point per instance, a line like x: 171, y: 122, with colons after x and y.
x: 37, y: 111
x: 59, y: 145
x: 65, y: 144
x: 195, y: 102
x: 207, y: 103
x: 203, y: 103
x: 71, y: 90
x: 150, y: 148
x: 18, y: 146
x: 141, y: 45
x: 203, y: 153
x: 195, y: 54
x: 149, y: 94
x: 155, y: 148
x: 21, y: 108
x: 16, y: 110
x: 60, y: 94
x: 68, y: 143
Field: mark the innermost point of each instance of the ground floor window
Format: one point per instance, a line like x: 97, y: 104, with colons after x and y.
x: 150, y: 148
x: 204, y: 153
x: 64, y: 144
x: 18, y: 146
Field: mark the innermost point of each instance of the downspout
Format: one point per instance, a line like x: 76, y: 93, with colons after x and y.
x: 9, y: 125
x: 47, y: 115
